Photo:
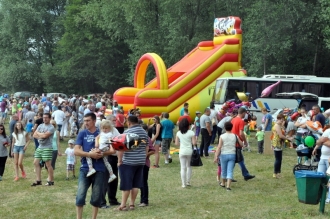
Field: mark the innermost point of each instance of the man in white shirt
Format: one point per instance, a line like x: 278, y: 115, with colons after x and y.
x: 59, y: 117
x: 206, y: 131
x: 46, y: 107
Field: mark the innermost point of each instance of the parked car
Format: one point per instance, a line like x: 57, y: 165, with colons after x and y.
x: 23, y: 94
x: 52, y: 95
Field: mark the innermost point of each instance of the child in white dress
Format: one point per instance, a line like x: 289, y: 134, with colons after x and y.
x: 101, y: 142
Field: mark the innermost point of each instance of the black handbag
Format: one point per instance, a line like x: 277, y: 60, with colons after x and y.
x: 196, y: 160
x: 239, y: 155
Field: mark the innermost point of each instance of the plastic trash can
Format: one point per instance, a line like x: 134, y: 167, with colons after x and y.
x: 309, y: 186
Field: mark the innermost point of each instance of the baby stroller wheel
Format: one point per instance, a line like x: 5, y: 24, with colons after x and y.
x: 296, y: 167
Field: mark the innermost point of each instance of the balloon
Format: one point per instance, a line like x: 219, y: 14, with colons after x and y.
x: 309, y: 141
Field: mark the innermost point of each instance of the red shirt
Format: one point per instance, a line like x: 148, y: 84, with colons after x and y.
x: 185, y: 116
x: 238, y: 125
x: 121, y: 118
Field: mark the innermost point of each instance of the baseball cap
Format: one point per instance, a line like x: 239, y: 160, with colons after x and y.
x: 197, y: 112
x: 71, y: 141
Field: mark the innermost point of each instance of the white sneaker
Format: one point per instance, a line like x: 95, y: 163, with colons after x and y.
x: 91, y: 172
x: 166, y: 161
x: 327, y: 201
x: 112, y: 178
x: 183, y: 186
x: 188, y: 184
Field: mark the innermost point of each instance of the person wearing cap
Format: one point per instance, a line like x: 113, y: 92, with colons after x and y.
x: 70, y: 159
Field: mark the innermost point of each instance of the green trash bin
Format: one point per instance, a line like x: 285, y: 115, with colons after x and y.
x: 309, y: 186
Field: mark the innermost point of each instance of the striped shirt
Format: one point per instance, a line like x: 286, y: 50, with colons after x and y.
x: 137, y: 156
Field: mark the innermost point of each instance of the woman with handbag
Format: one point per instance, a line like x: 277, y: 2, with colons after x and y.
x: 227, y: 151
x: 185, y: 138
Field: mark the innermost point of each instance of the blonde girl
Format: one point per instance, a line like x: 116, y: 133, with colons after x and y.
x: 20, y: 143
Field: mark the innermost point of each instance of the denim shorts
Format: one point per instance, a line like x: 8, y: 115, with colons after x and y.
x: 84, y: 182
x: 130, y: 177
x: 19, y: 149
x: 158, y: 142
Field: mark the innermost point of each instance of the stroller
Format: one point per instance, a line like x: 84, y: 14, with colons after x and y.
x: 305, y: 149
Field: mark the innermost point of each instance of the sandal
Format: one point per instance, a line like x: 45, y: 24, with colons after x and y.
x: 121, y: 208
x: 223, y: 186
x: 36, y: 183
x: 49, y: 183
x: 131, y: 207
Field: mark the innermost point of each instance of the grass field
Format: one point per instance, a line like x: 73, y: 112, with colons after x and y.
x: 262, y: 197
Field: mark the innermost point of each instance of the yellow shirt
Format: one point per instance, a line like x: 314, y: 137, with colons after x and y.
x: 276, y: 141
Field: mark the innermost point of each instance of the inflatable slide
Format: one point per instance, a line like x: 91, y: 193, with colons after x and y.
x: 190, y: 79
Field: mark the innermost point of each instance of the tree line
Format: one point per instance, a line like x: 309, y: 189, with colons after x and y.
x: 84, y: 46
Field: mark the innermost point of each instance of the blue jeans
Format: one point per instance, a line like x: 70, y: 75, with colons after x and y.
x: 214, y: 133
x: 84, y: 182
x: 245, y: 172
x: 322, y: 167
x: 227, y: 165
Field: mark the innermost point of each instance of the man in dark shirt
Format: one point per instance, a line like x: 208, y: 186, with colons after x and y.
x: 318, y: 115
x: 12, y: 124
x: 38, y: 122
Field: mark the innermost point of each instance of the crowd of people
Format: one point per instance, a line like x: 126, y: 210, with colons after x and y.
x: 49, y: 121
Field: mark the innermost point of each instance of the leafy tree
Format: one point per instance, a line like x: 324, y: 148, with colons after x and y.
x: 87, y: 56
x: 29, y: 30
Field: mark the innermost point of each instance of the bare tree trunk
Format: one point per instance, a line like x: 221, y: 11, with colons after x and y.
x: 315, y: 58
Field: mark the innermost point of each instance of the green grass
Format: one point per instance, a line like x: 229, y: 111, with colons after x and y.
x: 262, y: 197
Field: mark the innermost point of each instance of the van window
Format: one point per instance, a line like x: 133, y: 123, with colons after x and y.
x: 325, y: 105
x: 307, y: 104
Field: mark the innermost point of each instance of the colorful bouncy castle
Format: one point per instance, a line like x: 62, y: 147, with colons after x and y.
x: 190, y: 79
